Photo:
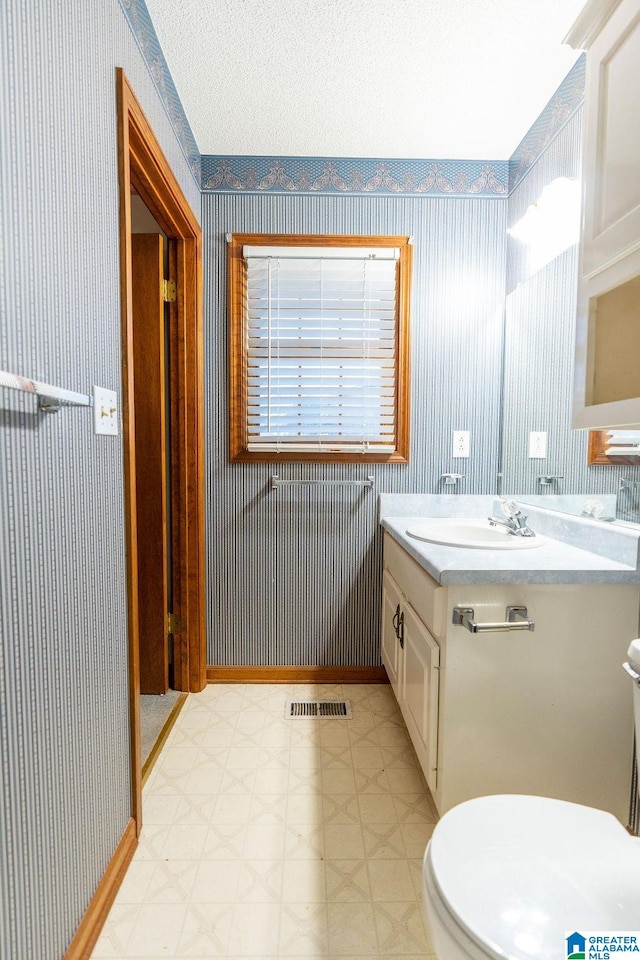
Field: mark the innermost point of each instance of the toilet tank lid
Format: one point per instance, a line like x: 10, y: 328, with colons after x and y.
x: 634, y: 655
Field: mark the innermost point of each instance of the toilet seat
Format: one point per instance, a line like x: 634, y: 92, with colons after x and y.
x: 544, y: 868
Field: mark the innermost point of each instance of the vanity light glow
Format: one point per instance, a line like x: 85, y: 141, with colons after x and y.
x: 552, y: 223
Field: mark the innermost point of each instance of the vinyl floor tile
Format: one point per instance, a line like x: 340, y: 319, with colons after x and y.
x: 267, y: 838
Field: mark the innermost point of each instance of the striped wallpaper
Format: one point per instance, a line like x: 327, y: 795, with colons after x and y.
x: 295, y: 574
x: 561, y: 158
x: 64, y: 732
x: 561, y: 107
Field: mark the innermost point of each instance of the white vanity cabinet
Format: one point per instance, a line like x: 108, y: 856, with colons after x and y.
x: 419, y: 703
x: 547, y: 712
x: 607, y: 384
x: 392, y: 630
x: 410, y: 652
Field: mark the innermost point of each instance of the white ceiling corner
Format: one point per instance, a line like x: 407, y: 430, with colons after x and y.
x: 458, y: 79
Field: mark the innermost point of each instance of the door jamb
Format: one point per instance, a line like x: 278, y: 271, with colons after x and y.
x: 141, y: 164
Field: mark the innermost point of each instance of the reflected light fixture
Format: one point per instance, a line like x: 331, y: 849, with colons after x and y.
x: 552, y: 223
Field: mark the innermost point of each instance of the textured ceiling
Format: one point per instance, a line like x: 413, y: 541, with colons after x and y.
x: 462, y: 79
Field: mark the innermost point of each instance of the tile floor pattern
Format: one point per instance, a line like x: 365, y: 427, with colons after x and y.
x: 271, y: 838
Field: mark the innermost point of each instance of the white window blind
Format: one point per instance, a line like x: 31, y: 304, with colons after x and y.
x: 622, y: 443
x: 321, y: 349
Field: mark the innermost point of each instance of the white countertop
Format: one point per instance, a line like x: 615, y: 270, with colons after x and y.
x: 556, y: 561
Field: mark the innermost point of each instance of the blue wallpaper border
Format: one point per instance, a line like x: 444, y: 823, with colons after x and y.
x: 349, y: 176
x: 346, y: 176
x: 561, y: 107
x: 145, y: 36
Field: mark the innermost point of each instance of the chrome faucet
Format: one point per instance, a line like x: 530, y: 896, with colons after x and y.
x: 515, y: 522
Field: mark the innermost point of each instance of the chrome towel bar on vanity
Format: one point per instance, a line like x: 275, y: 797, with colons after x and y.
x: 516, y: 619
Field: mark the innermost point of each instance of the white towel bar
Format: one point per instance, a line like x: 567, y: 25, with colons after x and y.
x: 51, y: 398
x: 277, y: 482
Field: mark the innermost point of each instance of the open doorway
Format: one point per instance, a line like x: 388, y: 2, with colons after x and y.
x: 152, y: 295
x: 173, y: 530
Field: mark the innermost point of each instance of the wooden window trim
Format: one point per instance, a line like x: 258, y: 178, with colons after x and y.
x: 597, y: 452
x: 237, y: 284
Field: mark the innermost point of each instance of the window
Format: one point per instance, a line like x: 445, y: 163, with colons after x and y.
x: 319, y: 348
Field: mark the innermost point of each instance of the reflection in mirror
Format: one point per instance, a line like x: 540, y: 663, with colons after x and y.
x: 614, y: 319
x: 539, y: 346
x: 614, y: 446
x: 538, y: 367
x: 551, y: 224
x: 628, y: 501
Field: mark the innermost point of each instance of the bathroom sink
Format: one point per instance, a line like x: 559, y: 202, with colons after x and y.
x: 477, y: 534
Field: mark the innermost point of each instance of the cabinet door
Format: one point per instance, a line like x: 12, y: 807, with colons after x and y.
x: 423, y: 593
x: 421, y: 664
x: 612, y: 141
x: 607, y: 358
x: 391, y: 629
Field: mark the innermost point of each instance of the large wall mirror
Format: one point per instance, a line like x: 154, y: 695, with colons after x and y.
x: 543, y: 227
x: 580, y: 465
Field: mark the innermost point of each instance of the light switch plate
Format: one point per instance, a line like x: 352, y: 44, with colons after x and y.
x: 461, y: 443
x: 537, y: 445
x: 105, y: 411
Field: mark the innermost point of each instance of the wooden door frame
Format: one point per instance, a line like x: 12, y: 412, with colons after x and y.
x: 142, y: 165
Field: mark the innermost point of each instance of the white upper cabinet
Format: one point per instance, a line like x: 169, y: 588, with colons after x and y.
x: 607, y: 370
x: 612, y: 141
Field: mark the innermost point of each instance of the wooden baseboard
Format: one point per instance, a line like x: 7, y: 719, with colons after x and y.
x: 293, y: 674
x: 81, y: 947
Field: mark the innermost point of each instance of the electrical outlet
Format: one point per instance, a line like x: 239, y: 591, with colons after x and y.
x: 537, y: 445
x: 105, y: 411
x: 461, y: 443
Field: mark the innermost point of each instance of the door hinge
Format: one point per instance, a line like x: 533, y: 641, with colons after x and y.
x: 173, y: 623
x: 168, y: 290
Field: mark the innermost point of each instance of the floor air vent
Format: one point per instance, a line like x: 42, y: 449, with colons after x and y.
x: 311, y: 709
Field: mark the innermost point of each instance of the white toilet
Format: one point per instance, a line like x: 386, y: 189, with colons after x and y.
x: 511, y: 877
